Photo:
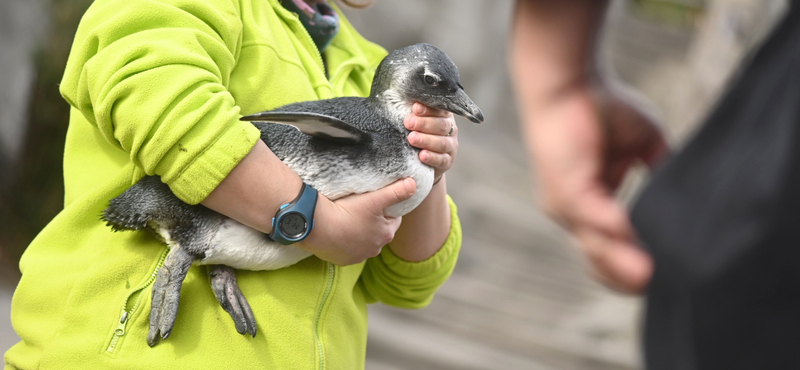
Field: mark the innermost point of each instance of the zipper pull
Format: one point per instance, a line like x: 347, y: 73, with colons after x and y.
x: 119, y: 331
x: 124, y: 317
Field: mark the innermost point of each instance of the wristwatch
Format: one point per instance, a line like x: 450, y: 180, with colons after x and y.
x: 294, y: 221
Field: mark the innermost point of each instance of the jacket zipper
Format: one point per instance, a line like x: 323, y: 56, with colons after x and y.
x: 134, y: 297
x: 325, y: 295
x: 307, y: 37
x: 317, y: 53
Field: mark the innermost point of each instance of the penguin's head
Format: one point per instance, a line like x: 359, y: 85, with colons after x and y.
x: 423, y: 73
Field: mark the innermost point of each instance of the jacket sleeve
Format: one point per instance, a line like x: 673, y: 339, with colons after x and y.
x: 152, y: 76
x: 396, y: 282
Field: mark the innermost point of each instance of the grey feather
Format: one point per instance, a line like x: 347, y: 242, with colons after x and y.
x: 314, y: 124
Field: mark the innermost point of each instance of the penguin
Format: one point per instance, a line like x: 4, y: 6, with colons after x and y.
x: 339, y: 146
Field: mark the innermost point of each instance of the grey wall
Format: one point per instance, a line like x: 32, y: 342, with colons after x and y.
x: 22, y: 25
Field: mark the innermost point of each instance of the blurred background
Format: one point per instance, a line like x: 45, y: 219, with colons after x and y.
x: 519, y: 298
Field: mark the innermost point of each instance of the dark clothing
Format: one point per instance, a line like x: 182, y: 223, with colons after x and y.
x: 722, y: 221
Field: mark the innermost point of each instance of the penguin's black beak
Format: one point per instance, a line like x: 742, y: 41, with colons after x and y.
x: 461, y: 104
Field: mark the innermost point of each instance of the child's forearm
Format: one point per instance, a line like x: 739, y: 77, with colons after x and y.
x: 255, y: 189
x: 425, y: 229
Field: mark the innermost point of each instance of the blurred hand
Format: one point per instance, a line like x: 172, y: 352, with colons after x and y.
x: 582, y: 145
x: 354, y: 228
x: 429, y: 131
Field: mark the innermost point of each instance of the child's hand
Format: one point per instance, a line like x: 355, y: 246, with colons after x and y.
x: 435, y: 132
x: 354, y: 228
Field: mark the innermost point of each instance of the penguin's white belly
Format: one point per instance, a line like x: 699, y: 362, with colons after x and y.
x: 423, y: 176
x: 242, y: 247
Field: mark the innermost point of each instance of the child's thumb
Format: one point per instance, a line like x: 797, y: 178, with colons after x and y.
x: 393, y: 193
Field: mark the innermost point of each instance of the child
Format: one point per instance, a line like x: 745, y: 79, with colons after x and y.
x: 157, y: 87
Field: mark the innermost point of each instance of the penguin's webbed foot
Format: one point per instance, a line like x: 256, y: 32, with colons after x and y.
x: 166, y: 294
x: 230, y: 297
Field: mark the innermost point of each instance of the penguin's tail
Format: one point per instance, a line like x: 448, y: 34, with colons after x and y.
x: 135, y: 208
x: 120, y: 221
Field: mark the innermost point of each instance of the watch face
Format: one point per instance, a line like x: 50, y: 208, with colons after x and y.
x: 293, y: 225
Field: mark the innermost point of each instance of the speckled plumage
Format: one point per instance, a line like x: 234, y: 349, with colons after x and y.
x: 335, y: 166
x: 320, y: 162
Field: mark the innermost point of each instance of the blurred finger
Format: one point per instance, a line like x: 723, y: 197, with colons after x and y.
x: 435, y: 143
x: 616, y: 172
x: 597, y: 210
x: 658, y: 150
x: 618, y: 264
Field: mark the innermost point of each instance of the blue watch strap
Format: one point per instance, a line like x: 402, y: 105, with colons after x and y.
x: 294, y: 221
x: 307, y: 200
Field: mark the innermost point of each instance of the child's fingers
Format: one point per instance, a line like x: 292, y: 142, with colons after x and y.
x: 434, y: 143
x: 431, y: 125
x: 436, y: 160
x: 426, y: 111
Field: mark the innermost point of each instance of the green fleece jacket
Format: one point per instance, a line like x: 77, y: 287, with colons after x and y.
x: 157, y: 87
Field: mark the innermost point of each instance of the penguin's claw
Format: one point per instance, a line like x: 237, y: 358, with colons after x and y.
x: 230, y: 297
x: 152, y: 338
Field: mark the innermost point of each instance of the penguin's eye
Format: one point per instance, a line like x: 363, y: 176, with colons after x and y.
x: 430, y: 80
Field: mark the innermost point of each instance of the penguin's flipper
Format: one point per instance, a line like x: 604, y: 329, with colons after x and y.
x: 314, y: 124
